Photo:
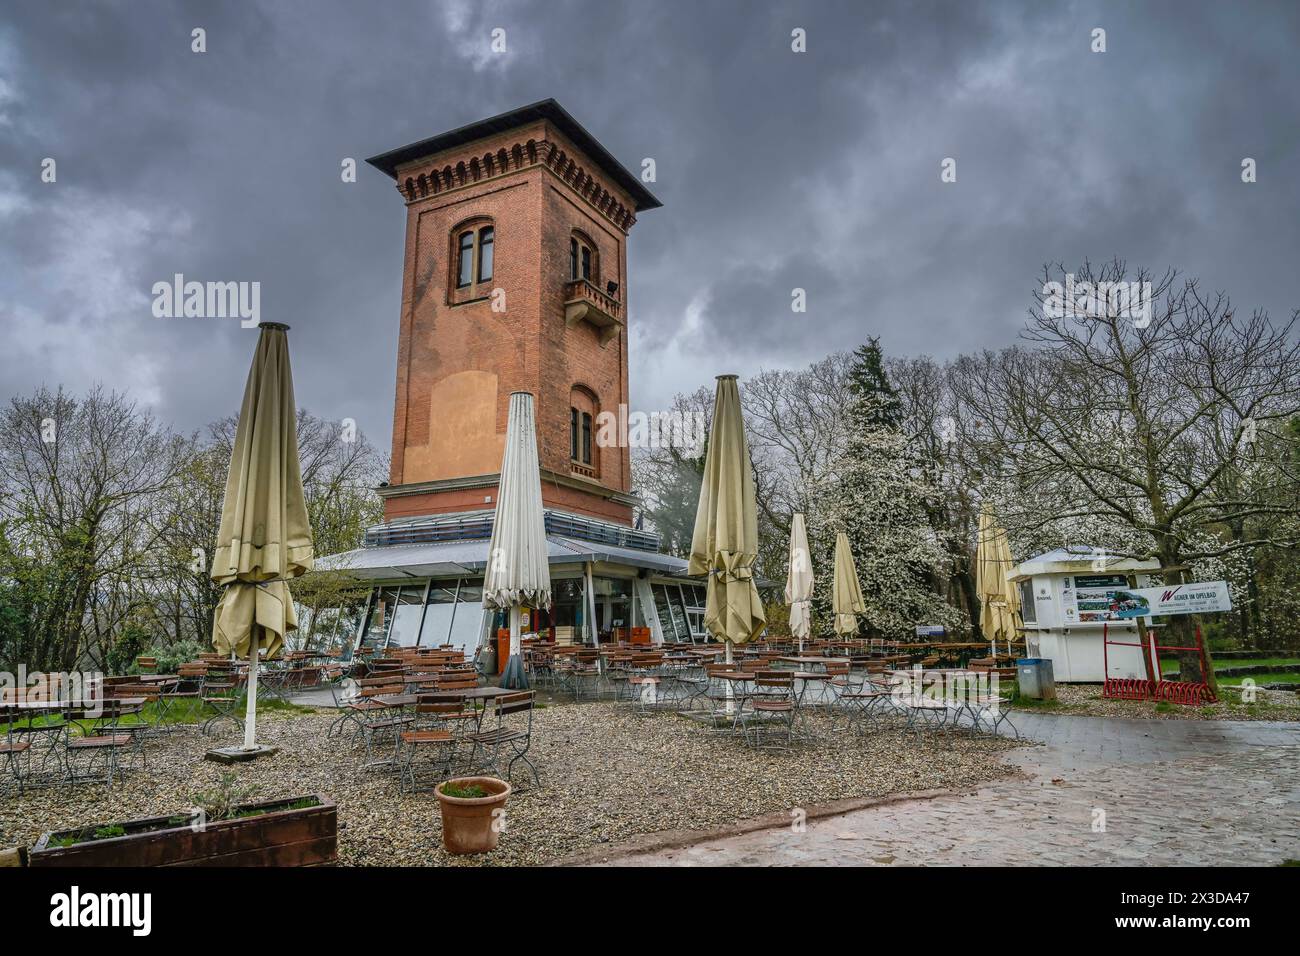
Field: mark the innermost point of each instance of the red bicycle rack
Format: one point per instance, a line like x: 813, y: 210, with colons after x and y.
x: 1139, y: 688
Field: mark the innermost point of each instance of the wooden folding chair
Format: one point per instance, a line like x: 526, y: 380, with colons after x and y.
x: 512, y: 735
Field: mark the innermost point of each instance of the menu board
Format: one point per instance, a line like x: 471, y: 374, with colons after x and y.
x: 1092, y: 598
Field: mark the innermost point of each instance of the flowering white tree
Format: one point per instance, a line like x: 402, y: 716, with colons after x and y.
x: 879, y: 490
x: 878, y: 496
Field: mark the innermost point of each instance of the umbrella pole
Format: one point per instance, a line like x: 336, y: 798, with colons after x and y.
x: 514, y: 636
x: 513, y: 675
x: 731, y: 704
x: 250, y: 713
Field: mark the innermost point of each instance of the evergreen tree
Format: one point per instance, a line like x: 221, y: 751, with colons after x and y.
x: 876, y: 400
x: 878, y: 494
x: 670, y: 498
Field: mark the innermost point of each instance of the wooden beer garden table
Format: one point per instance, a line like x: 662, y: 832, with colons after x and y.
x: 468, y: 693
x: 814, y: 661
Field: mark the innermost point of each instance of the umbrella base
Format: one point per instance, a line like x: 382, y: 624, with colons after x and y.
x: 513, y: 677
x: 239, y: 754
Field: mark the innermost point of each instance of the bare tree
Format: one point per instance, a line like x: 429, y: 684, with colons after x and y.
x: 1149, y: 422
x: 78, y: 475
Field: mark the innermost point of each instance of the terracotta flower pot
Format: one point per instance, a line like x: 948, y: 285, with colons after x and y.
x: 468, y: 823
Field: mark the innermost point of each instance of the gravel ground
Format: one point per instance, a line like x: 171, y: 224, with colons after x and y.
x: 607, y: 775
x: 1086, y: 700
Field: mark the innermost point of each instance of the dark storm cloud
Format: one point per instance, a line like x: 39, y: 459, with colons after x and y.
x: 778, y: 170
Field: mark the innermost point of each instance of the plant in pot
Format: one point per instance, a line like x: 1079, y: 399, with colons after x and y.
x: 473, y: 813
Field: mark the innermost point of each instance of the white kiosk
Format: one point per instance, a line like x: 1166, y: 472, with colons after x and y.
x: 1067, y: 596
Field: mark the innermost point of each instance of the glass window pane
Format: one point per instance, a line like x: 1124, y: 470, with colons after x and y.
x: 670, y: 618
x: 613, y: 601
x: 437, y: 616
x: 1028, y: 613
x: 586, y: 438
x: 485, y: 246
x: 566, y: 602
x: 405, y: 630
x: 381, y: 616
x: 573, y: 258
x: 465, y: 269
x: 573, y: 433
x: 586, y: 263
x: 331, y: 629
x: 468, y: 623
x: 681, y: 624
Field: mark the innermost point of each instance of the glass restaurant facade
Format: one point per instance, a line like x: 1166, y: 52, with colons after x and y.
x: 421, y: 585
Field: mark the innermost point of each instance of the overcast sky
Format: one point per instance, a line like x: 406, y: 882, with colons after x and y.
x: 777, y: 170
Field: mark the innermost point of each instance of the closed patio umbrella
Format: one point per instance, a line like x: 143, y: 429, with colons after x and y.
x: 999, y: 600
x: 725, y: 541
x: 517, y: 573
x: 799, y: 582
x: 264, y: 538
x: 846, y: 591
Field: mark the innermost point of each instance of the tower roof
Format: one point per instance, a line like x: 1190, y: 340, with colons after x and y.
x: 548, y: 110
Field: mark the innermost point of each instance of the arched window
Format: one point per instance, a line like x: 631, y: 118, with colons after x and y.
x: 473, y: 252
x: 580, y: 425
x: 583, y: 409
x: 583, y: 261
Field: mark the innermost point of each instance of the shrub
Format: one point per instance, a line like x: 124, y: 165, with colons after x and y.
x: 131, y: 640
x: 221, y: 801
x: 172, y: 656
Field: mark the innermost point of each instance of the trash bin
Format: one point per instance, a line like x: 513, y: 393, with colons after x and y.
x: 1035, y: 679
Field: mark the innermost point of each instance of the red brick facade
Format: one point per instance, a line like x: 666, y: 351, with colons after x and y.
x: 462, y: 352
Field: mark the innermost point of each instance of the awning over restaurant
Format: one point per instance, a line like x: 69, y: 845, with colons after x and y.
x: 453, y: 558
x: 612, y: 554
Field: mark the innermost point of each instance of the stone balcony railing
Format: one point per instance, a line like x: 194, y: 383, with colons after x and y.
x: 584, y: 302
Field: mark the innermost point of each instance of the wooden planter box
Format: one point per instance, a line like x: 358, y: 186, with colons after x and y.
x: 304, y: 837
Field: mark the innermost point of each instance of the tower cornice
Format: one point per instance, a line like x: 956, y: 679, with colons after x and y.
x: 460, y: 169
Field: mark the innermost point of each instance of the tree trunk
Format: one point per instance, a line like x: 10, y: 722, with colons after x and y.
x: 1180, y: 629
x: 966, y: 581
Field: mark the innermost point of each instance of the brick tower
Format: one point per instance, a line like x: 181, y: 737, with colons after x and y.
x: 514, y: 278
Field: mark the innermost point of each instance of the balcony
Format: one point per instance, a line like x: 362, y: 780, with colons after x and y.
x: 583, y: 302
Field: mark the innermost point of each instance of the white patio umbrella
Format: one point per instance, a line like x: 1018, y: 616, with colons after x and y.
x: 517, y: 573
x: 799, y: 582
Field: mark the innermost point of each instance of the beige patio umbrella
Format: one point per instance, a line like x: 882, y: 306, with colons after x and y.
x: 518, y: 572
x: 999, y: 600
x: 725, y: 541
x: 846, y: 591
x: 799, y: 582
x: 265, y: 537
